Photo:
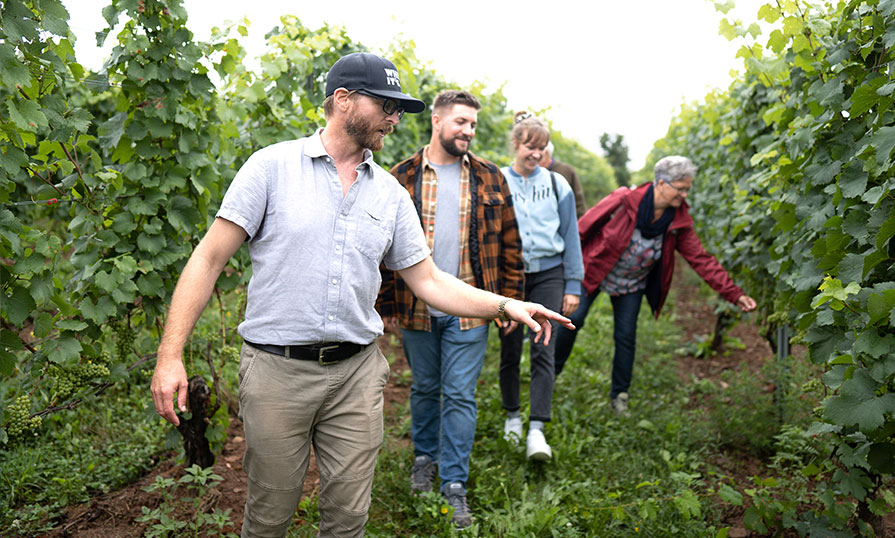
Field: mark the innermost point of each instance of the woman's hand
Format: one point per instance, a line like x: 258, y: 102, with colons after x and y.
x: 746, y: 303
x: 570, y: 304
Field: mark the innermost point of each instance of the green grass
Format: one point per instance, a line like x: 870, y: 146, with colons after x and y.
x: 646, y: 475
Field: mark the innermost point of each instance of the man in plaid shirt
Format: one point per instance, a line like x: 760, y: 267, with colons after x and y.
x: 467, y: 214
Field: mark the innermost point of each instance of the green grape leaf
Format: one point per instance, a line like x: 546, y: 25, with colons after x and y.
x: 10, y: 340
x: 881, y: 457
x: 7, y: 363
x: 110, y: 131
x: 853, y: 182
x: 865, y: 97
x: 883, y: 140
x: 99, y: 312
x: 858, y: 404
x: 63, y: 349
x: 768, y: 13
x: 730, y: 495
x: 19, y: 305
x: 26, y: 115
x: 871, y: 343
x: 54, y: 17
x: 880, y: 305
x: 887, y: 7
x: 851, y: 268
x: 15, y: 73
x: 71, y: 325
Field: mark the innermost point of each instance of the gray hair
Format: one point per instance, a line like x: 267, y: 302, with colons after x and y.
x: 673, y: 168
x: 549, y: 148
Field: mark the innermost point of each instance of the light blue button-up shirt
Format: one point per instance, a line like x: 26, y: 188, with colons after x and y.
x: 316, y: 253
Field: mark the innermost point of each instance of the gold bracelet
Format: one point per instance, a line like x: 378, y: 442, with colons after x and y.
x: 501, y: 309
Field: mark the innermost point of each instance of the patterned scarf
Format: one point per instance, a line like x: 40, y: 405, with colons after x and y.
x: 645, y: 213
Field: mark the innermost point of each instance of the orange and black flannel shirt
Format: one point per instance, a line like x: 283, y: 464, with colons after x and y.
x: 495, y: 247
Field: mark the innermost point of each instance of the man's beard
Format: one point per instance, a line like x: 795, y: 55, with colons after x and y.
x: 364, y: 134
x: 451, y: 147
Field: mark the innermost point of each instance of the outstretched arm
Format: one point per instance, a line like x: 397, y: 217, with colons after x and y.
x: 192, y: 293
x: 452, y: 296
x: 708, y: 267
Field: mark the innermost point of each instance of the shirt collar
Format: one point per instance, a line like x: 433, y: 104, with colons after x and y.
x: 314, y: 149
x: 512, y: 172
x: 427, y: 164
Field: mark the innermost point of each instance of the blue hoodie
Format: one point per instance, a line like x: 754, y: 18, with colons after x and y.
x: 548, y: 225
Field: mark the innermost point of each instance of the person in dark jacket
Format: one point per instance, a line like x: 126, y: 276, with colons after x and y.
x: 567, y: 171
x: 628, y: 241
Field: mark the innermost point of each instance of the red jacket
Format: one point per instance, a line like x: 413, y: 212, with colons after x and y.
x: 606, y: 230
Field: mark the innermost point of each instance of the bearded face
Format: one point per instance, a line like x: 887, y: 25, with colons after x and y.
x: 365, y: 133
x: 456, y: 145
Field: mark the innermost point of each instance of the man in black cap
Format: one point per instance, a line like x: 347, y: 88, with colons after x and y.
x: 319, y: 217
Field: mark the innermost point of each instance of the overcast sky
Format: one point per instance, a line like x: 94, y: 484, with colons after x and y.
x: 602, y: 66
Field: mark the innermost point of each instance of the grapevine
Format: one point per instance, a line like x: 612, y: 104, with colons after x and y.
x: 795, y: 197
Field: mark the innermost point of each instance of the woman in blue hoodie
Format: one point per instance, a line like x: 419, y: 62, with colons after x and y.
x: 551, y: 252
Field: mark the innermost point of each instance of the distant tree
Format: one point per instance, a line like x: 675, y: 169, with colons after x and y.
x: 617, y: 154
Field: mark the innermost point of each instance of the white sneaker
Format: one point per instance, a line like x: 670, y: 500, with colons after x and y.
x: 620, y: 404
x: 538, y: 449
x: 512, y: 430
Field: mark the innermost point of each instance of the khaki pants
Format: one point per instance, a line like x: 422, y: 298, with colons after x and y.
x: 287, y: 404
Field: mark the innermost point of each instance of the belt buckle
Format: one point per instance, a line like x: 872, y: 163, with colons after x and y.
x: 323, y: 350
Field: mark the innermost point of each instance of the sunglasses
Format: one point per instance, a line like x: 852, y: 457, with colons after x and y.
x: 389, y: 106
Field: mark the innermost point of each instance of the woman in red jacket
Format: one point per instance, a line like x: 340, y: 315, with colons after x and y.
x: 628, y: 241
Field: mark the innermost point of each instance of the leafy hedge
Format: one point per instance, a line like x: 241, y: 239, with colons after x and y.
x: 795, y: 196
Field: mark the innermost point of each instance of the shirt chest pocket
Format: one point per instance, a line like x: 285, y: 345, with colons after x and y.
x: 372, y: 238
x: 493, y: 209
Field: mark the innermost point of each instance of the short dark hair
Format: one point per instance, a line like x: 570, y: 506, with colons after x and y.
x: 455, y: 97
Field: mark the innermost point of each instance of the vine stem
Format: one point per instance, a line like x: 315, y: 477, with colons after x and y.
x: 808, y: 34
x: 99, y: 389
x: 47, y: 181
x: 73, y: 161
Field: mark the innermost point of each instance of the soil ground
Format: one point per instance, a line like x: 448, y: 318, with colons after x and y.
x: 113, y: 515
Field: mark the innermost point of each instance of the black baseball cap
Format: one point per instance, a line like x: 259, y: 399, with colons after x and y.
x: 372, y: 75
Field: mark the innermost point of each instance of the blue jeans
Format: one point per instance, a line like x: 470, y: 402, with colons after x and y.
x: 625, y: 309
x: 445, y: 363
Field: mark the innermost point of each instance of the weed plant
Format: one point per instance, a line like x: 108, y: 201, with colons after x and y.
x: 184, y: 515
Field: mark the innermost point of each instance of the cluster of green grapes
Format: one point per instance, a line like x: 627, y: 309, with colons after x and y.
x: 230, y: 353
x: 18, y: 422
x: 68, y: 381
x: 124, y: 343
x: 812, y: 385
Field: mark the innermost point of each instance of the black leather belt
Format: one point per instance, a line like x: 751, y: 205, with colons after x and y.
x: 322, y: 353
